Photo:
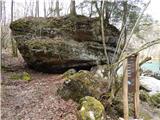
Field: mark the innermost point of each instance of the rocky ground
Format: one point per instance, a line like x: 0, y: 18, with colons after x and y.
x: 32, y: 100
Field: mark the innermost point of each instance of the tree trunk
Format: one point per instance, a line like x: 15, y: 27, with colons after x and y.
x: 14, y: 46
x: 91, y: 9
x: 103, y: 32
x: 4, y: 13
x: 45, y: 9
x: 1, y: 11
x: 57, y: 8
x: 37, y: 9
x: 106, y: 13
x: 125, y: 19
x: 31, y: 8
x: 72, y: 7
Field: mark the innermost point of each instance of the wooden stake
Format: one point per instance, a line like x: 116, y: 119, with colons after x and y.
x: 125, y: 90
x: 136, y: 92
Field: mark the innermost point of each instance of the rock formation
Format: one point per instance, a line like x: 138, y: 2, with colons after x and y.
x: 57, y: 44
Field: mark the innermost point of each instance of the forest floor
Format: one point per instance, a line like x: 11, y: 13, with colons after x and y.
x: 37, y: 99
x: 32, y: 100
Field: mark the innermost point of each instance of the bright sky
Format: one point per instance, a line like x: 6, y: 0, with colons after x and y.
x: 153, y: 9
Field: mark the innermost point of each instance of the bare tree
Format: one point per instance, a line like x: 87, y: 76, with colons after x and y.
x: 124, y: 21
x: 4, y: 13
x: 12, y: 5
x: 45, y: 14
x: 37, y: 9
x: 51, y: 9
x: 91, y: 9
x: 73, y: 7
x: 31, y: 8
x: 57, y: 8
x: 1, y: 10
x: 106, y: 12
x: 14, y: 47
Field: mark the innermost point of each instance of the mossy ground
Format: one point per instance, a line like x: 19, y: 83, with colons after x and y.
x: 153, y: 100
x: 23, y: 76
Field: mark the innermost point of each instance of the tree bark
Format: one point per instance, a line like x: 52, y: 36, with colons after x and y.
x: 73, y: 7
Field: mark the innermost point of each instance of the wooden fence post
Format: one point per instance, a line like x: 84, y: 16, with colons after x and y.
x: 136, y: 91
x: 125, y: 89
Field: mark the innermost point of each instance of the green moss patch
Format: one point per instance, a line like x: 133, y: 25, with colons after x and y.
x: 153, y: 100
x: 91, y: 109
x: 22, y: 76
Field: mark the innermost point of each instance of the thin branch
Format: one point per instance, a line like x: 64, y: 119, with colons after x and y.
x: 103, y: 32
x: 145, y: 46
x: 145, y: 60
x: 134, y: 28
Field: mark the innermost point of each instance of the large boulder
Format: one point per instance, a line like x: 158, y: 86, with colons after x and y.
x: 81, y: 84
x: 56, y: 44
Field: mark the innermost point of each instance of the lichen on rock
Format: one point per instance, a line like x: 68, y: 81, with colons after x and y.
x: 57, y: 44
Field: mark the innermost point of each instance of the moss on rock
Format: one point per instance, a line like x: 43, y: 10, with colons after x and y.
x: 81, y: 84
x: 57, y: 44
x: 91, y: 109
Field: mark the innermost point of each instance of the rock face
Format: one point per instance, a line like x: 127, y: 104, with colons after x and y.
x: 56, y: 44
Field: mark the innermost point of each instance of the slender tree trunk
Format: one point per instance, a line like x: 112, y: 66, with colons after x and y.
x: 91, y: 9
x: 14, y: 46
x: 31, y: 7
x: 103, y: 32
x: 1, y: 23
x: 73, y: 7
x: 37, y: 9
x: 45, y: 14
x: 125, y: 19
x: 4, y: 13
x: 12, y: 3
x: 57, y: 8
x: 106, y: 13
x: 25, y: 8
x: 51, y: 8
x: 1, y: 10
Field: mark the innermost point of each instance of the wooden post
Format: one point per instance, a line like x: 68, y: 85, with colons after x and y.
x: 136, y: 91
x: 125, y: 90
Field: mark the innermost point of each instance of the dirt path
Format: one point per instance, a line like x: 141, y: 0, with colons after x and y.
x: 34, y: 100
